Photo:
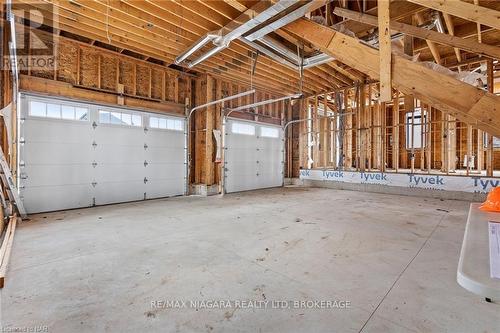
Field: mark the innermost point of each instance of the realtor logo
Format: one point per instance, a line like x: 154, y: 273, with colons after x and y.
x: 31, y: 25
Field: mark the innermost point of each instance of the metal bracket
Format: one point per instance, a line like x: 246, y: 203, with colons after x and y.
x: 94, y: 125
x: 145, y: 146
x: 94, y: 184
x: 146, y: 163
x: 145, y: 180
x: 94, y: 164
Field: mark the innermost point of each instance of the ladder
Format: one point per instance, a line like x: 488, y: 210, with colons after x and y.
x: 9, y: 185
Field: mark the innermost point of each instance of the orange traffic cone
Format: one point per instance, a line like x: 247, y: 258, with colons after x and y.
x: 492, y: 203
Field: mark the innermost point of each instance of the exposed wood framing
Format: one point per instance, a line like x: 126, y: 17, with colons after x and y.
x: 475, y: 106
x: 464, y: 10
x: 385, y: 54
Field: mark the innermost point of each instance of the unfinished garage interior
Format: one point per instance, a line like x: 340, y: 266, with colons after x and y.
x: 250, y: 166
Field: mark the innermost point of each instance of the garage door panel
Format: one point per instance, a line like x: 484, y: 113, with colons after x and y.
x: 119, y: 172
x: 68, y: 163
x: 56, y: 174
x: 55, y: 131
x: 164, y: 188
x: 253, y: 161
x: 165, y: 171
x: 165, y: 138
x: 52, y: 198
x: 164, y: 155
x: 114, y: 192
x: 105, y: 154
x: 55, y: 153
x: 119, y: 135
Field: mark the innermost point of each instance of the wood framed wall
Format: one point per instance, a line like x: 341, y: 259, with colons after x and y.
x: 374, y: 136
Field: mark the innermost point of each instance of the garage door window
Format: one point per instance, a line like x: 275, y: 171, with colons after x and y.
x: 242, y: 128
x: 119, y: 118
x: 166, y: 123
x: 269, y: 132
x: 58, y: 111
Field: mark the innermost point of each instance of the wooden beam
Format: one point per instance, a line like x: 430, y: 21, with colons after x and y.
x: 385, y: 55
x: 430, y: 35
x: 451, y: 30
x: 6, y: 248
x: 474, y: 106
x: 464, y: 10
x: 430, y: 44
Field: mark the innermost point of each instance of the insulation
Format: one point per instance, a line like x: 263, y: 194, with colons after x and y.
x: 127, y: 76
x: 89, y: 69
x: 108, y: 72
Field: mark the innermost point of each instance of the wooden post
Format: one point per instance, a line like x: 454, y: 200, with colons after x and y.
x: 469, y: 148
x: 383, y: 146
x: 385, y: 50
x: 429, y: 138
x: 209, y: 146
x: 480, y: 151
x: 395, y: 132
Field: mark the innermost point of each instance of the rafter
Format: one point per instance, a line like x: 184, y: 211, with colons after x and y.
x: 467, y: 11
x: 475, y: 106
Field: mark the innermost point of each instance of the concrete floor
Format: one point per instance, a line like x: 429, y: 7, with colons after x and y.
x: 394, y: 258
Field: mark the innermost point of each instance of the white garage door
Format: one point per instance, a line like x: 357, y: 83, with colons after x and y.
x: 79, y: 155
x: 254, y: 156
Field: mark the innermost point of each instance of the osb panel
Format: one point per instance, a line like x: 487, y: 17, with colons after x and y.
x: 127, y: 76
x: 143, y: 80
x: 43, y: 73
x: 157, y: 81
x: 234, y: 90
x: 170, y: 83
x: 109, y: 72
x: 67, y: 66
x: 225, y: 87
x: 183, y: 89
x: 89, y: 67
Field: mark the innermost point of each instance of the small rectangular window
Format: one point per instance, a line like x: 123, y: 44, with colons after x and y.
x: 53, y: 110
x: 58, y: 111
x: 104, y: 117
x: 81, y: 113
x: 119, y: 118
x: 38, y: 109
x: 153, y: 122
x: 414, y: 119
x: 127, y: 119
x: 165, y: 123
x: 136, y: 120
x: 67, y: 112
x: 116, y: 118
x: 269, y: 132
x: 242, y: 128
